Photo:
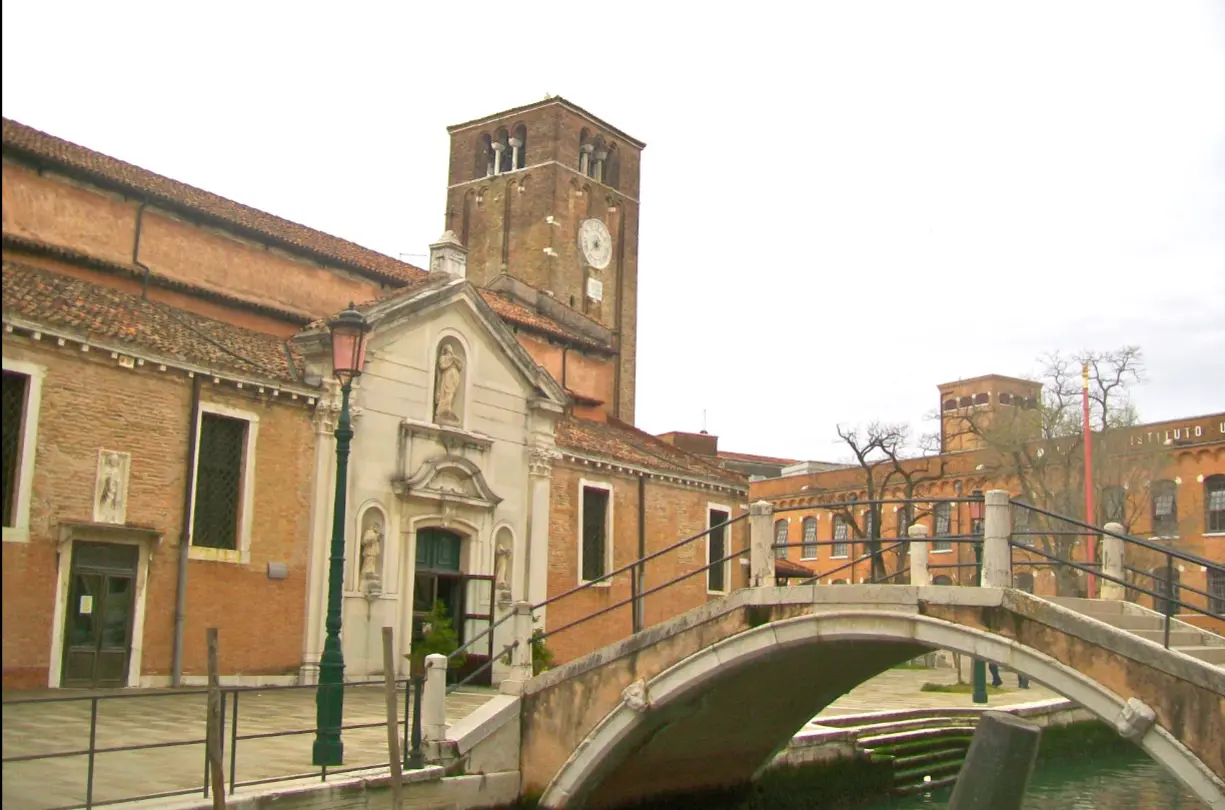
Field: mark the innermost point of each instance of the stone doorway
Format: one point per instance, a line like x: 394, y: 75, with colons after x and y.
x: 98, y: 616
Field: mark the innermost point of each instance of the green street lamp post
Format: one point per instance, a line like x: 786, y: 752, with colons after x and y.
x: 979, y: 675
x: 349, y: 331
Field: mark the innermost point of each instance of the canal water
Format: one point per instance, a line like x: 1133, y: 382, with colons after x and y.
x: 1114, y: 781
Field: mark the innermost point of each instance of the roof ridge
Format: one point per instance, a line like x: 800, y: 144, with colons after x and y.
x: 45, y: 146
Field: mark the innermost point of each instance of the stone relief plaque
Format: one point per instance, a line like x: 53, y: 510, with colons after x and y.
x: 111, y: 487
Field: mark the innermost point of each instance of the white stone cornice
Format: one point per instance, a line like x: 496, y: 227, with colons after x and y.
x: 140, y: 358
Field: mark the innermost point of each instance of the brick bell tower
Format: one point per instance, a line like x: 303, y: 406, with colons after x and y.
x: 548, y: 194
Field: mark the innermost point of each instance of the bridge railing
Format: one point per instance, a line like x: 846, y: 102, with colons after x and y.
x: 1109, y: 564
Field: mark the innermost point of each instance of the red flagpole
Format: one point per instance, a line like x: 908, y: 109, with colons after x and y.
x: 1089, y: 517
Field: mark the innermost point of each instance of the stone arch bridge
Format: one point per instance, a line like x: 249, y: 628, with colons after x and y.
x: 704, y: 700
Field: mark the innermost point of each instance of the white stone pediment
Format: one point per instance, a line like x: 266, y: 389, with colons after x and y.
x: 449, y: 479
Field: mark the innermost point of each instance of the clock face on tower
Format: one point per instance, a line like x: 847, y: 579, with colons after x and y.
x: 595, y: 243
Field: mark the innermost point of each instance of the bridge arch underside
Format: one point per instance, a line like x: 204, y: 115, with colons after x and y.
x: 714, y: 719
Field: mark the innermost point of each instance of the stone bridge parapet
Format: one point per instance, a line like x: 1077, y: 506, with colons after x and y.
x: 705, y: 699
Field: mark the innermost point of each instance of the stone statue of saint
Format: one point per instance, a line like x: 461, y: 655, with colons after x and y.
x: 372, y: 544
x: 501, y: 567
x: 450, y: 377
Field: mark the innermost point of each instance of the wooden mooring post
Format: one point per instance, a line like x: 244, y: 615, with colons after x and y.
x: 215, y: 772
x: 393, y: 729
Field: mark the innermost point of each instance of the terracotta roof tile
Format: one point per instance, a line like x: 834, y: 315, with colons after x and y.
x: 520, y: 315
x: 618, y: 441
x: 728, y: 454
x: 787, y: 568
x: 82, y: 308
x: 69, y: 156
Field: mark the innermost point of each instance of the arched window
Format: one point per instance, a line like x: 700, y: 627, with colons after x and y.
x: 809, y: 551
x: 1214, y: 503
x: 838, y: 582
x: 1164, y: 496
x: 518, y: 145
x: 1023, y: 582
x: 584, y: 152
x: 501, y: 145
x: 1114, y: 506
x: 612, y: 167
x: 943, y: 527
x: 780, y: 539
x: 484, y: 157
x: 941, y: 579
x: 841, y: 547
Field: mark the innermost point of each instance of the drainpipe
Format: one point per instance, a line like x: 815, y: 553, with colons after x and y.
x: 144, y: 284
x: 193, y: 415
x: 639, y: 585
x: 564, y: 349
x: 180, y: 598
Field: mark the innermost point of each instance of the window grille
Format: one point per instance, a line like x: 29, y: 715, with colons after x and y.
x: 595, y: 533
x: 780, y: 539
x: 1216, y: 590
x: 716, y: 579
x: 809, y: 550
x: 943, y: 527
x: 1165, y: 508
x: 1214, y: 503
x: 14, y: 404
x: 219, y: 474
x: 841, y: 533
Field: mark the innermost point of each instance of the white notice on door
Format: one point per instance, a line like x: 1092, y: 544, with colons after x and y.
x: 87, y: 605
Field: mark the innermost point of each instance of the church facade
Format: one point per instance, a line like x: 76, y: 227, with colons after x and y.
x: 169, y: 461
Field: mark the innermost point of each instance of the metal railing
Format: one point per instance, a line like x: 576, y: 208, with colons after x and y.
x: 230, y: 701
x: 1167, y: 591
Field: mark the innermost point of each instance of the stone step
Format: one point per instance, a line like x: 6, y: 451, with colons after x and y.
x: 1178, y: 638
x: 1090, y: 607
x: 898, y: 737
x: 941, y: 755
x: 1133, y: 622
x: 934, y: 770
x: 1210, y: 655
x: 873, y: 729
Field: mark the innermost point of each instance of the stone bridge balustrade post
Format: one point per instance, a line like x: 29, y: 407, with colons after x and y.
x: 761, y: 542
x: 434, y: 699
x: 1112, y: 563
x: 919, y: 575
x: 520, y: 656
x: 997, y: 531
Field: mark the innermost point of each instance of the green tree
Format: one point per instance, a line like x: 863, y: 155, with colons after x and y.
x: 438, y: 637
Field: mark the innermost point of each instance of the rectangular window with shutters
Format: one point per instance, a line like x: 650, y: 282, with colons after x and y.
x: 221, y: 513
x: 595, y: 531
x: 22, y: 392
x: 717, y: 548
x: 943, y: 520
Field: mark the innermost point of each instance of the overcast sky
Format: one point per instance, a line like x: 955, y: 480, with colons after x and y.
x: 843, y: 203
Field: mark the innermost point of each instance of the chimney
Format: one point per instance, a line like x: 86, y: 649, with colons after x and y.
x: 448, y: 255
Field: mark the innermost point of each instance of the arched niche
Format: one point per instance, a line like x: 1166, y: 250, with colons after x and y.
x: 450, y: 367
x: 371, y: 548
x: 503, y: 564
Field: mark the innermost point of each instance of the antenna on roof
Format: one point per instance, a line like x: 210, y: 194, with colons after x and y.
x: 703, y: 420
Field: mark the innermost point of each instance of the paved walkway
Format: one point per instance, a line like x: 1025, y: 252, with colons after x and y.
x: 140, y: 717
x: 135, y: 718
x: 902, y: 689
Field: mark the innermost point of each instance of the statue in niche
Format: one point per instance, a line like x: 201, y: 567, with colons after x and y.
x: 446, y: 391
x: 372, y: 548
x: 501, y: 570
x: 110, y: 505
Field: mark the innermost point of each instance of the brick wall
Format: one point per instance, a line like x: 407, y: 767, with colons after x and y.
x: 673, y: 512
x: 89, y: 402
x: 504, y: 222
x: 62, y: 212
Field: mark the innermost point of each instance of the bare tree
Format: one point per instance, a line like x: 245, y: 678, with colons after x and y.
x: 1043, y: 447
